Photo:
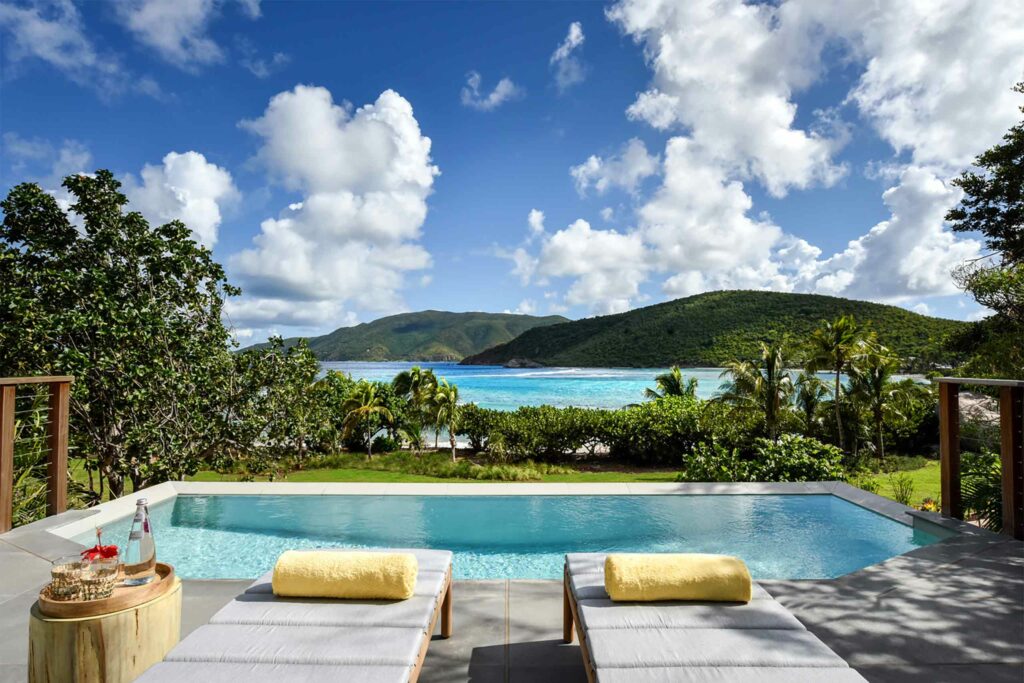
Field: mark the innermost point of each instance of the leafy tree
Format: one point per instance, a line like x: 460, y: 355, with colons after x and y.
x: 993, y: 204
x: 871, y: 386
x: 448, y: 410
x: 765, y: 387
x: 132, y: 311
x: 834, y: 346
x: 672, y: 383
x: 363, y: 409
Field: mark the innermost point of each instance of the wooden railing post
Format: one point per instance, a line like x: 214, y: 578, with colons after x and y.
x: 1011, y: 424
x: 7, y: 394
x: 57, y: 438
x: 949, y: 449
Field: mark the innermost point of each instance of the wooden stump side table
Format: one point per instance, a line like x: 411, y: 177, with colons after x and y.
x: 108, y: 648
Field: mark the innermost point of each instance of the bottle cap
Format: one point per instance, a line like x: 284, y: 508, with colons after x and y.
x: 142, y: 501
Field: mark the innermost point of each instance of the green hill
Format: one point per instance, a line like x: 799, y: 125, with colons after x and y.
x: 426, y: 336
x: 709, y: 330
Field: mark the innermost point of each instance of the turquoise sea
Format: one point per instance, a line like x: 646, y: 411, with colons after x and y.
x: 508, y: 388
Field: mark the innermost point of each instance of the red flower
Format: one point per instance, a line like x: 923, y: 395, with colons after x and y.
x: 100, y: 552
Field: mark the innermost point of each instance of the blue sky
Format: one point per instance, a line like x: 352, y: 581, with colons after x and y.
x: 663, y: 148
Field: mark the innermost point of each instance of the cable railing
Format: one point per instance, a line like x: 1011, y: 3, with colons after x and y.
x: 1011, y: 440
x: 33, y: 447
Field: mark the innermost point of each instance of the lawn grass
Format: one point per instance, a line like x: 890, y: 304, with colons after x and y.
x: 926, y: 482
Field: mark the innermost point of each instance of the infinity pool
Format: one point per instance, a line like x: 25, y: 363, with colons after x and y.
x: 524, y: 537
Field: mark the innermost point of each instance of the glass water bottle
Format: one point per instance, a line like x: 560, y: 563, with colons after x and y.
x: 140, y: 554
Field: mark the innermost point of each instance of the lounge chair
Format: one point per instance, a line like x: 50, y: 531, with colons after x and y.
x: 261, y: 638
x: 687, y: 642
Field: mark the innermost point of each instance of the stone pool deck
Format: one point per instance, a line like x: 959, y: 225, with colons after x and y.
x: 951, y: 611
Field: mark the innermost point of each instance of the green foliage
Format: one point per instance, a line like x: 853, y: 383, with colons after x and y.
x: 712, y: 462
x: 711, y: 329
x: 672, y: 383
x: 657, y: 432
x: 424, y: 336
x: 902, y: 486
x: 982, y: 488
x: 993, y: 204
x: 790, y: 458
x: 437, y: 465
x: 132, y: 311
x: 763, y: 388
x: 476, y: 425
x: 795, y: 458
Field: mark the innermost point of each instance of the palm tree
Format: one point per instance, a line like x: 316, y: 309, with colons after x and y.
x: 362, y: 405
x: 833, y: 346
x: 764, y: 387
x: 671, y: 383
x: 417, y: 386
x: 447, y: 409
x: 871, y: 385
x: 810, y: 392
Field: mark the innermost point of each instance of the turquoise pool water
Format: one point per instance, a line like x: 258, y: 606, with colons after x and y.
x: 525, y: 537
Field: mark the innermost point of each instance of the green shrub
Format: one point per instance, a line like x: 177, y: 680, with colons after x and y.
x: 655, y: 432
x: 384, y: 443
x: 902, y: 485
x: 866, y: 483
x: 981, y: 481
x: 795, y: 458
x: 711, y: 462
x: 475, y: 424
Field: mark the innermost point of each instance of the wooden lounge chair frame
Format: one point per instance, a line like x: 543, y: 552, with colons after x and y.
x: 571, y: 617
x: 442, y: 610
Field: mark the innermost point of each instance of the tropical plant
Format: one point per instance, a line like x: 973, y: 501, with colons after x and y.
x: 834, y: 346
x: 872, y: 387
x: 447, y: 409
x: 417, y: 386
x: 672, y: 383
x: 765, y: 387
x: 364, y: 410
x: 981, y: 482
x: 902, y: 485
x: 810, y: 393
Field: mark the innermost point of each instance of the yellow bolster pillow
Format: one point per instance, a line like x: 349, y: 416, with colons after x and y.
x: 352, y: 575
x: 648, y: 578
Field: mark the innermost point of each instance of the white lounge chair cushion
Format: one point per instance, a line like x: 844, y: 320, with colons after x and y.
x: 199, y: 672
x: 602, y: 613
x: 239, y: 643
x: 737, y: 674
x: 703, y: 647
x: 270, y: 610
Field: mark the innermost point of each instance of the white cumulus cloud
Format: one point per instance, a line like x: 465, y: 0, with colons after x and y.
x: 565, y: 61
x: 503, y: 92
x: 183, y: 187
x: 364, y: 176
x: 624, y: 170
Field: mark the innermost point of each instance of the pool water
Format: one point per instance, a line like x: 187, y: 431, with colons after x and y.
x: 524, y: 537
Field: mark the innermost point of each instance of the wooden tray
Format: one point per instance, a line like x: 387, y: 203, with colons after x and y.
x: 124, y: 597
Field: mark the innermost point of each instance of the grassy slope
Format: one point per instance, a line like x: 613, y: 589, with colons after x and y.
x: 426, y: 335
x: 926, y: 483
x: 709, y: 329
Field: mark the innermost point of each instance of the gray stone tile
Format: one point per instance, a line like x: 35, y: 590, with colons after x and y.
x: 535, y: 627
x: 948, y: 673
x: 14, y: 628
x: 13, y: 673
x: 200, y: 600
x: 479, y: 635
x: 21, y: 570
x: 45, y: 545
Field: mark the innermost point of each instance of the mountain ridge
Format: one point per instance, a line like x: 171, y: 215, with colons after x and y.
x: 709, y: 329
x: 429, y: 335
